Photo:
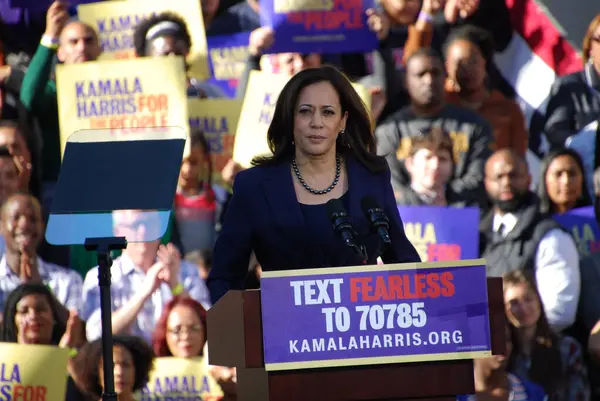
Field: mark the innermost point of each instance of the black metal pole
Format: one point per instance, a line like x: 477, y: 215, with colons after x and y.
x: 103, y: 247
x: 104, y: 264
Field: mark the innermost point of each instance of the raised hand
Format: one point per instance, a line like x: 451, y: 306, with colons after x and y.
x: 464, y: 8
x: 156, y: 275
x: 261, y: 39
x: 74, y: 336
x: 379, y: 23
x: 169, y: 256
x: 24, y: 169
x: 431, y: 7
x: 56, y: 18
x: 230, y: 170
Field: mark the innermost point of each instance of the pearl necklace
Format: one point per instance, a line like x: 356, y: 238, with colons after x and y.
x: 338, y: 169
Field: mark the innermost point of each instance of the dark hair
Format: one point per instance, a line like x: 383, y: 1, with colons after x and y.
x: 546, y: 205
x: 18, y: 127
x: 159, y: 338
x: 197, y: 138
x: 424, y: 52
x: 90, y: 355
x: 480, y: 37
x: 357, y: 140
x: 10, y: 124
x: 4, y: 152
x: 140, y: 42
x: 546, y: 361
x: 8, y: 329
x: 435, y: 140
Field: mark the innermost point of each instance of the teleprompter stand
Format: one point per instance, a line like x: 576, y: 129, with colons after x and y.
x: 103, y: 248
x: 111, y: 192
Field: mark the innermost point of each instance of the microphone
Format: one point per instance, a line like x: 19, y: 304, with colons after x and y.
x: 342, y: 225
x: 379, y: 221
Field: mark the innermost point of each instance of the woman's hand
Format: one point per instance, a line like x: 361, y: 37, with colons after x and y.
x: 74, y: 336
x: 464, y: 8
x: 432, y: 7
x: 379, y: 23
x: 229, y: 171
x: 261, y: 39
x: 226, y: 378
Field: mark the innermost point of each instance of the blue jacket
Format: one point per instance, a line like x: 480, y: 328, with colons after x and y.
x: 264, y: 216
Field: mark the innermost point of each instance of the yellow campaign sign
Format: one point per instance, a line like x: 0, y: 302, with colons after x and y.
x: 115, y: 21
x: 173, y: 378
x: 257, y: 111
x: 218, y: 120
x: 33, y: 372
x: 122, y: 96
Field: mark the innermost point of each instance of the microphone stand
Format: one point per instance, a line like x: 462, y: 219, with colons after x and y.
x: 361, y: 251
x: 103, y: 247
x: 381, y: 248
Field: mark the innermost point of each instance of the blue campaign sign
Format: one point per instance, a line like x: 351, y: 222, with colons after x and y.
x: 323, y: 26
x: 375, y: 314
x: 442, y: 233
x: 582, y: 225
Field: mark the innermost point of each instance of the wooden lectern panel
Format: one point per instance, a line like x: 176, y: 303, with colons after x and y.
x: 497, y: 315
x: 374, y: 382
x: 234, y: 331
x: 235, y: 339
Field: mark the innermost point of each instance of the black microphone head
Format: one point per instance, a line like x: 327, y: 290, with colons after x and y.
x: 368, y: 203
x: 335, y: 207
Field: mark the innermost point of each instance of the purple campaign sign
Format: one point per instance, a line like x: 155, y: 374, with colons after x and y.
x: 442, y: 233
x: 227, y: 59
x: 375, y: 314
x: 322, y: 26
x: 37, y: 5
x: 582, y: 224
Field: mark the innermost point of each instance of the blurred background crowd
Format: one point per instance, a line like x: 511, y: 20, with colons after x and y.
x: 456, y: 133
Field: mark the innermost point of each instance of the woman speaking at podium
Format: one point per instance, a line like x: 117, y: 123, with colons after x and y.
x: 323, y: 148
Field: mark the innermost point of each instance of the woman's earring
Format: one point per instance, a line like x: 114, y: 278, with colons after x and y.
x: 343, y: 139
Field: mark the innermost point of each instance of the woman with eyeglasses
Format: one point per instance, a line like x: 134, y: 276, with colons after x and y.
x: 181, y: 332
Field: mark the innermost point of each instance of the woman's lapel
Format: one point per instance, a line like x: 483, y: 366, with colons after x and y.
x: 281, y: 196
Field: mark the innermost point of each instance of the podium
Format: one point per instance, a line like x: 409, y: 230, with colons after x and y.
x: 235, y: 340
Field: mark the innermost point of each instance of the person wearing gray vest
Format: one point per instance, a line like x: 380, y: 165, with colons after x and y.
x: 514, y: 235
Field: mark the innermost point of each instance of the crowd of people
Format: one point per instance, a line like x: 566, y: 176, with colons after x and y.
x: 447, y: 124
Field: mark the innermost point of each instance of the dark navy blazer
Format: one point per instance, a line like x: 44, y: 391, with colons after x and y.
x: 264, y: 215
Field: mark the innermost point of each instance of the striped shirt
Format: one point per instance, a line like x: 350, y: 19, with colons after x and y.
x: 127, y: 280
x: 64, y: 283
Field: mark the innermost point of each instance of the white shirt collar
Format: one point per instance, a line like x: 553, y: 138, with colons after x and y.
x: 508, y: 219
